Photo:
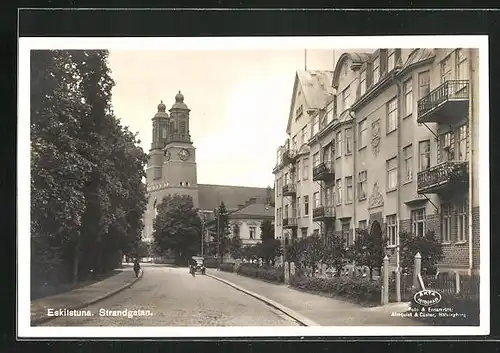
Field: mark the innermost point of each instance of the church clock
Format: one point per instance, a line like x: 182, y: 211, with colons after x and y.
x: 184, y: 154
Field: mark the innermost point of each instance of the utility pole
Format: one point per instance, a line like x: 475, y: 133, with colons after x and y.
x: 202, y: 232
x: 218, y: 238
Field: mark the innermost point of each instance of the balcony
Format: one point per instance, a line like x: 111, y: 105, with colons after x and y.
x: 324, y: 171
x: 445, y: 104
x: 290, y: 222
x: 289, y: 156
x: 289, y: 189
x: 323, y: 213
x: 444, y: 177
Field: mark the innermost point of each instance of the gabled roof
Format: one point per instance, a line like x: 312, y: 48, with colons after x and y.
x: 356, y: 59
x: 418, y: 56
x: 316, y: 87
x: 255, y: 210
x: 211, y: 196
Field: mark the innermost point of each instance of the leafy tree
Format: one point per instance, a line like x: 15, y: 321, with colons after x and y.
x: 367, y: 250
x: 223, y: 229
x: 269, y: 248
x: 335, y: 252
x: 177, y: 226
x: 235, y: 247
x: 428, y: 247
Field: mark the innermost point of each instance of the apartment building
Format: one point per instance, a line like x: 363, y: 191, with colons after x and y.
x: 394, y: 148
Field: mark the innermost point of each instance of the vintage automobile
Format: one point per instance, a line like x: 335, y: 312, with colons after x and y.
x: 199, y: 267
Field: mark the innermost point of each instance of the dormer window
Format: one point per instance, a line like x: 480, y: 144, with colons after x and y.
x: 391, y: 59
x: 376, y: 70
x: 346, y: 98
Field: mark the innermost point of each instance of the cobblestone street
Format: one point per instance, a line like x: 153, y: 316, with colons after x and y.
x: 174, y: 298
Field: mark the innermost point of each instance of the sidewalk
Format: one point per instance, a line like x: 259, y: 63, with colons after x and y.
x: 83, y: 296
x: 322, y: 310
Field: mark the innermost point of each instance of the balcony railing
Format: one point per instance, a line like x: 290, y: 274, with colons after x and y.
x: 442, y: 177
x: 289, y: 222
x: 448, y: 101
x: 324, y: 171
x: 289, y: 189
x: 323, y: 212
x: 289, y: 156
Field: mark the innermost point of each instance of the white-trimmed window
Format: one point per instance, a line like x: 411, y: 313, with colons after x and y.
x: 418, y: 222
x: 391, y: 229
x: 446, y: 214
x: 305, y: 136
x: 424, y: 155
x: 424, y: 83
x: 408, y: 93
x: 392, y: 173
x: 446, y: 69
x: 294, y: 142
x: 329, y: 113
x: 338, y: 142
x: 462, y: 220
x: 306, y: 205
x: 391, y: 59
x: 362, y: 82
x: 348, y: 189
x: 338, y: 195
x: 305, y: 168
x: 447, y: 146
x: 392, y: 115
x: 348, y: 140
x: 298, y: 208
x: 346, y: 98
x: 315, y: 126
x: 286, y: 214
x: 315, y: 159
x: 346, y: 234
x: 408, y: 162
x: 316, y: 200
x: 462, y: 143
x: 297, y: 172
x: 252, y: 232
x: 363, y: 134
x: 362, y: 185
x: 376, y: 70
x: 462, y: 67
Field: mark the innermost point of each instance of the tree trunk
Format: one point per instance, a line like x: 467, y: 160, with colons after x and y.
x: 76, y: 260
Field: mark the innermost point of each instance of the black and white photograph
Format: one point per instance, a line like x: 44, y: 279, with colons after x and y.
x: 251, y: 186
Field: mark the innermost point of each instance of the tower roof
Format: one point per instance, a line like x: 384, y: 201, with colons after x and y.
x: 179, y: 102
x: 161, y: 111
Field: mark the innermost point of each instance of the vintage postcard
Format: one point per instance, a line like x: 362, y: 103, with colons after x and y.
x: 253, y: 187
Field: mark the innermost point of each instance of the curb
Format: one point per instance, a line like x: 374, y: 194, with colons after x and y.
x: 44, y: 318
x: 287, y: 311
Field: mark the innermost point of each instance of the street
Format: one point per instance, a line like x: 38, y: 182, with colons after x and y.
x: 167, y: 296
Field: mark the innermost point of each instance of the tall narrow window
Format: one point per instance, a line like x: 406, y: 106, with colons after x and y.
x: 338, y: 196
x: 424, y: 155
x: 408, y: 163
x: 306, y: 205
x: 298, y: 208
x: 329, y: 113
x: 446, y: 69
x: 391, y: 59
x: 462, y: 68
x: 391, y: 229
x: 346, y: 238
x: 285, y: 179
x: 392, y: 173
x: 392, y: 115
x: 462, y: 143
x: 315, y: 125
x: 447, y: 146
x: 252, y: 232
x: 363, y: 134
x: 297, y: 171
x: 348, y: 140
x: 285, y: 215
x: 164, y: 132
x: 338, y: 141
x: 327, y: 197
x: 408, y: 93
x: 346, y: 98
x: 362, y: 82
x: 305, y: 168
x: 316, y: 200
x: 446, y: 223
x: 376, y: 70
x: 305, y: 134
x: 424, y: 84
x: 418, y: 222
x: 462, y: 220
x: 294, y: 142
x: 362, y: 183
x: 348, y: 189
x: 315, y: 159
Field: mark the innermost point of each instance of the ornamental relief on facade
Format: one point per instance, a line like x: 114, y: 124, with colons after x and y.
x: 376, y: 199
x: 376, y: 137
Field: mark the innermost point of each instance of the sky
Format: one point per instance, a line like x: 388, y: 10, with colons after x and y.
x: 239, y: 101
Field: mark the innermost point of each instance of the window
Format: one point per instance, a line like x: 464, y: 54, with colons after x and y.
x: 298, y: 111
x: 286, y: 212
x: 362, y: 224
x: 346, y: 239
x: 294, y: 142
x: 348, y: 189
x: 391, y: 229
x: 424, y: 84
x: 305, y: 168
x: 408, y: 163
x: 316, y: 200
x: 446, y: 69
x: 392, y: 173
x: 446, y: 223
x: 462, y: 143
x: 338, y: 141
x: 252, y: 232
x: 362, y: 185
x: 424, y: 153
x: 376, y: 70
x: 338, y: 196
x: 285, y: 179
x: 328, y: 197
x: 298, y: 208
x: 392, y: 115
x: 303, y: 232
x: 297, y: 172
x: 315, y: 125
x: 329, y: 113
x: 408, y: 93
x: 315, y: 159
x: 306, y: 205
x: 447, y: 145
x: 462, y: 69
x: 418, y: 222
x: 305, y: 136
x: 164, y: 132
x: 362, y: 82
x: 348, y: 140
x: 182, y: 127
x: 391, y: 59
x: 346, y: 98
x: 363, y: 134
x: 462, y: 221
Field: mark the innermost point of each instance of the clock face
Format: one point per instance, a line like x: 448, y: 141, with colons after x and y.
x: 184, y: 154
x: 167, y: 155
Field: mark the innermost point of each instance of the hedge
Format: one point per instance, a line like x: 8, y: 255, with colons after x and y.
x: 210, y: 263
x: 362, y: 290
x: 274, y: 275
x: 227, y: 267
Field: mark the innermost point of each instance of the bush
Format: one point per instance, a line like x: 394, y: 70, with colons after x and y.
x: 359, y: 289
x: 210, y: 263
x: 268, y: 274
x: 227, y: 267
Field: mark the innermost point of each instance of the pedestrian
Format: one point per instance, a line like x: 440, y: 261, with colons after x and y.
x: 137, y: 267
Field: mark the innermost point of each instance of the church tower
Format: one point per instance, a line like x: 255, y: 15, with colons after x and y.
x: 172, y: 159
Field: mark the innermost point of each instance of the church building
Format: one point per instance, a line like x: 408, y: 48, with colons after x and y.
x: 172, y: 169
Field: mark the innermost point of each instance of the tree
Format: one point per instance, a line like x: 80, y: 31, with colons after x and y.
x: 223, y: 229
x: 269, y: 248
x: 367, y: 250
x: 235, y: 247
x: 428, y: 247
x: 177, y: 227
x: 335, y: 253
